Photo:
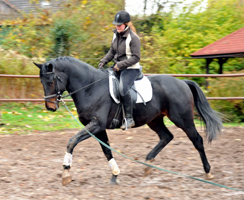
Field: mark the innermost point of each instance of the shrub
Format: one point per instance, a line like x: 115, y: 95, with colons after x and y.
x: 228, y: 87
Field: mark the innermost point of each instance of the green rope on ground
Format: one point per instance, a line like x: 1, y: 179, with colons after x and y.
x: 149, y: 165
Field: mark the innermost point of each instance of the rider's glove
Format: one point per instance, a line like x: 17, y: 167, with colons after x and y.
x: 116, y: 68
x: 100, y: 65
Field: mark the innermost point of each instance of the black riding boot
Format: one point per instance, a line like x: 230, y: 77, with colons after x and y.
x: 128, y: 106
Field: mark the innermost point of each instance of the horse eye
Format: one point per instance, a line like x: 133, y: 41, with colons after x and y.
x: 50, y: 83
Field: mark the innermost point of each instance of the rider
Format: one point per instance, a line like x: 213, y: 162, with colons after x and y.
x: 125, y: 50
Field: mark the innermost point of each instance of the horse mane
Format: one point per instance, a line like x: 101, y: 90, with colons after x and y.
x: 65, y: 61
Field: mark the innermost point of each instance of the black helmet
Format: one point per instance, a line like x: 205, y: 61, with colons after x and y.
x: 121, y: 17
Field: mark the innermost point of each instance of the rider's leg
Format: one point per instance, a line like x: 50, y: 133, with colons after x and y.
x: 127, y: 78
x: 128, y: 107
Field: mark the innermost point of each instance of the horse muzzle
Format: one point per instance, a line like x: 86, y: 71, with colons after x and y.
x: 52, y: 101
x: 52, y: 104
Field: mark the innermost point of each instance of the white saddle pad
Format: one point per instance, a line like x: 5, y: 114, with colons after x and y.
x: 143, y: 88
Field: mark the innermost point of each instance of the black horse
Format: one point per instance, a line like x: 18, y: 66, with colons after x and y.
x: 89, y: 89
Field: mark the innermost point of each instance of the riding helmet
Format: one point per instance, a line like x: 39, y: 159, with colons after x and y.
x: 121, y: 17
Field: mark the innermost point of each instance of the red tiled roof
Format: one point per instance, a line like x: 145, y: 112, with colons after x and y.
x: 230, y: 44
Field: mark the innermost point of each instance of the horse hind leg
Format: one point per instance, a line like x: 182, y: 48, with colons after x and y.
x: 165, y: 137
x: 197, y: 141
x: 188, y: 126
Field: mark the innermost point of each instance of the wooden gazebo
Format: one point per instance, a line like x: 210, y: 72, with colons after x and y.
x: 230, y: 46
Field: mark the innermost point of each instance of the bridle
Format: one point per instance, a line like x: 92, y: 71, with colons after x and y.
x: 58, y: 93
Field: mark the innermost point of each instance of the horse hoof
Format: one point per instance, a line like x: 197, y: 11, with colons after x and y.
x: 66, y: 177
x: 114, y: 183
x: 209, y: 176
x: 148, y: 170
x: 113, y: 180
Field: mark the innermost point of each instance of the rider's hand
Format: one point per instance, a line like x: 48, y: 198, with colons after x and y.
x: 100, y: 65
x: 116, y: 68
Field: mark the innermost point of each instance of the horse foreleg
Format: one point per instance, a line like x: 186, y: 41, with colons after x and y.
x: 115, y: 171
x: 80, y: 136
x: 66, y: 176
x: 108, y: 154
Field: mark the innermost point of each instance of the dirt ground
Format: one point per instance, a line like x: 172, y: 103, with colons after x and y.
x: 31, y: 167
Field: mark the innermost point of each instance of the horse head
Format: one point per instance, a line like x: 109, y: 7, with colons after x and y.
x: 54, y: 83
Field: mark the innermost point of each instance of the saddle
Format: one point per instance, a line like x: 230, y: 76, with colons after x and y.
x: 141, y: 91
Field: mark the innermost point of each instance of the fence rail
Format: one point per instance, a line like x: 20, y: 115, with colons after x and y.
x: 68, y: 100
x: 175, y: 75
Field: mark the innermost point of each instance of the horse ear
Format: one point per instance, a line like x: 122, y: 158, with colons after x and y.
x: 38, y: 65
x: 49, y: 67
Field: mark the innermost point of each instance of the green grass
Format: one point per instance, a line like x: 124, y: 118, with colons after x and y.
x: 18, y: 118
x: 22, y: 118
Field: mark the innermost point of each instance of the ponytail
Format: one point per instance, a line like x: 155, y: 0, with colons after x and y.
x: 131, y: 26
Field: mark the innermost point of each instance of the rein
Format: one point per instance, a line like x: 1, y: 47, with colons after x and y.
x: 83, y: 87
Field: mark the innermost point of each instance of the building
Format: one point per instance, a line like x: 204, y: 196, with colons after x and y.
x: 11, y: 9
x: 230, y: 46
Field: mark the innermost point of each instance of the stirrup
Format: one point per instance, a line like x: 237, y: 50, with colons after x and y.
x: 126, y: 126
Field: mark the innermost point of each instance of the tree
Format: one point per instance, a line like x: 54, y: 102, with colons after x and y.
x: 82, y: 29
x: 184, y: 33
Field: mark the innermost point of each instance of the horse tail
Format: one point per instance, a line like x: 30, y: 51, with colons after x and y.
x: 211, y: 118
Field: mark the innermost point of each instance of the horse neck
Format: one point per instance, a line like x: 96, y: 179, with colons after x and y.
x: 82, y: 76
